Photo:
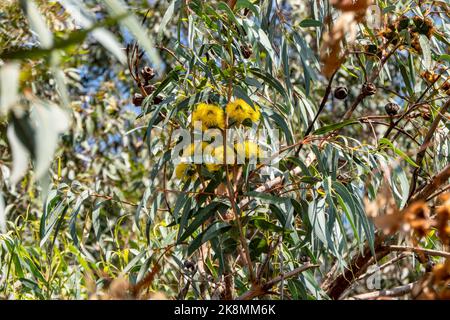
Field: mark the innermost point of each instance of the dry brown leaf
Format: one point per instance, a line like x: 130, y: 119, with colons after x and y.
x: 383, y: 210
x: 351, y: 5
x: 331, y: 52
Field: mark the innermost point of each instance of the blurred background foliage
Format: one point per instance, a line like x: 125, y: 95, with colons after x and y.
x: 89, y: 205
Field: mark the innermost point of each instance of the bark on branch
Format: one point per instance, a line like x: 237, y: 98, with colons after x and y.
x: 394, y: 292
x: 261, y: 289
x: 428, y: 252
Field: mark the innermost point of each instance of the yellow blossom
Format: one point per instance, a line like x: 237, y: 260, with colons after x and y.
x: 218, y: 156
x: 184, y: 171
x: 239, y: 110
x: 194, y: 148
x: 249, y: 148
x: 211, y: 116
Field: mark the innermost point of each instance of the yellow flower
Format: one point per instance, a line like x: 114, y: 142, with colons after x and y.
x: 184, y: 171
x: 194, y: 148
x: 239, y: 110
x: 209, y: 115
x: 218, y: 156
x: 254, y: 114
x: 248, y: 148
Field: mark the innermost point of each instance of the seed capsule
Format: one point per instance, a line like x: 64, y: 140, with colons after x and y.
x: 446, y: 87
x: 402, y: 23
x: 392, y: 109
x: 369, y: 89
x: 148, y: 73
x: 425, y: 112
x: 138, y: 99
x: 340, y: 93
x: 157, y: 100
x: 424, y: 26
x: 149, y: 89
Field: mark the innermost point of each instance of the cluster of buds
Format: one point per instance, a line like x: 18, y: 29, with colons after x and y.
x: 416, y: 26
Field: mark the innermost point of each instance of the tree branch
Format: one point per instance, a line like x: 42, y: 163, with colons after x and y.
x: 394, y: 292
x: 260, y: 290
x: 417, y: 250
x: 425, y: 144
x: 438, y: 180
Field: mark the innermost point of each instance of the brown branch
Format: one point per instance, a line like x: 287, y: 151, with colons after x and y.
x: 388, y: 125
x: 394, y: 292
x: 417, y: 250
x: 425, y: 144
x: 259, y: 290
x: 321, y: 107
x: 334, y: 286
x: 384, y: 265
x: 232, y: 3
x: 362, y: 95
x: 435, y: 182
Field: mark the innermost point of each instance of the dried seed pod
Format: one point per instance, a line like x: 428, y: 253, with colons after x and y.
x: 388, y: 33
x: 189, y: 265
x: 340, y: 93
x: 246, y: 51
x: 149, y: 89
x: 392, y: 108
x: 446, y: 87
x: 148, y: 73
x: 402, y: 23
x: 425, y: 112
x: 373, y: 49
x: 369, y: 89
x: 424, y: 26
x: 157, y: 100
x: 415, y: 43
x: 429, y: 76
x: 138, y: 99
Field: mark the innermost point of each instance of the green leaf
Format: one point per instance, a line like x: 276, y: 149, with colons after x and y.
x: 310, y: 23
x: 270, y: 80
x: 385, y: 142
x: 166, y: 18
x: 444, y: 57
x: 267, y: 197
x: 426, y: 51
x: 203, y: 215
x: 119, y: 8
x: 334, y: 126
x: 213, y: 231
x: 104, y: 37
x: 263, y: 224
x: 240, y: 4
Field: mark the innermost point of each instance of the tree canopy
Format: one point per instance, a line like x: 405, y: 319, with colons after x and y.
x: 245, y: 149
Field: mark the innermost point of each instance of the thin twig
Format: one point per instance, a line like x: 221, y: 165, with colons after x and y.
x: 394, y: 292
x: 425, y: 144
x: 259, y: 290
x: 429, y: 252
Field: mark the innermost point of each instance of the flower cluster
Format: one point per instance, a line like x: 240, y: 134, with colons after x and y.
x: 239, y: 111
x: 213, y: 158
x: 212, y: 116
